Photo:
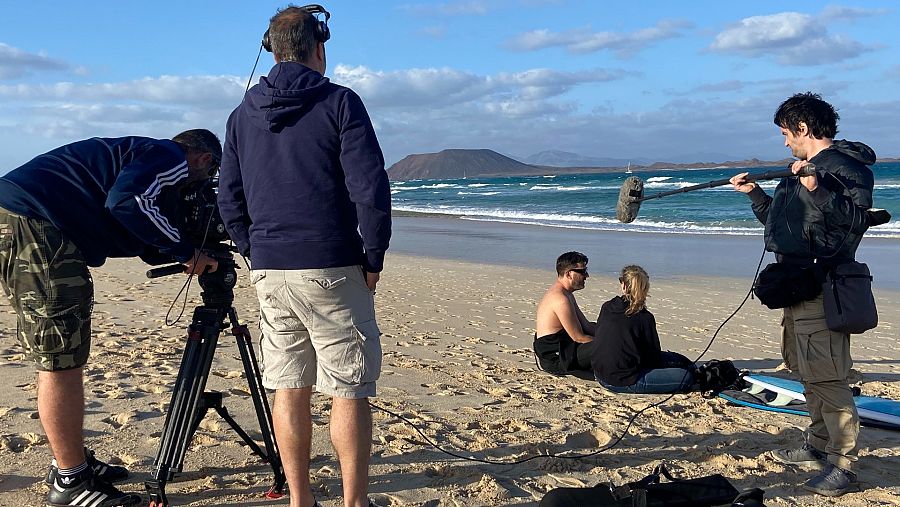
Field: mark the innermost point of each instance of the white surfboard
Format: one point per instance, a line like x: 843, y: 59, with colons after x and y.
x: 870, y: 407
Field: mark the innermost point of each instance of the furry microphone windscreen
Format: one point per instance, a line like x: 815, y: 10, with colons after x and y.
x: 628, y: 205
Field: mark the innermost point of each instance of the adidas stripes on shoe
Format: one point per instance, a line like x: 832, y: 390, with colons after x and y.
x: 103, y: 471
x: 87, y: 491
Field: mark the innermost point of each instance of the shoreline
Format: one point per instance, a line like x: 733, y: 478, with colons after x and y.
x: 666, y: 256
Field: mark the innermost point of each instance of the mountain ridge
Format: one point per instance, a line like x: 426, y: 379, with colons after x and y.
x: 469, y: 163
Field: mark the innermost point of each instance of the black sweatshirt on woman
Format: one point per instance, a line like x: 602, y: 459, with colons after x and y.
x: 626, y: 345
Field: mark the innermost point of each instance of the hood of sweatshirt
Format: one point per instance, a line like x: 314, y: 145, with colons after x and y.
x: 284, y: 95
x: 857, y: 150
x: 617, y: 304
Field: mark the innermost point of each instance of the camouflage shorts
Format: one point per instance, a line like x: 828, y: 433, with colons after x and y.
x: 46, y: 280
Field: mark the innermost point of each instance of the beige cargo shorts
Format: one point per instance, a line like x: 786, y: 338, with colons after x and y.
x: 318, y: 328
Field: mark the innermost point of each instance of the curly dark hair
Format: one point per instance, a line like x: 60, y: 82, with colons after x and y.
x: 819, y: 116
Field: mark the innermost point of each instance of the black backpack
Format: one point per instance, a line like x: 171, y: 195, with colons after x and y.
x: 715, y: 376
x: 652, y: 491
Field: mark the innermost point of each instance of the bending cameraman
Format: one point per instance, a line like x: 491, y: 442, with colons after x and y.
x: 303, y: 191
x: 60, y: 213
x: 814, y: 223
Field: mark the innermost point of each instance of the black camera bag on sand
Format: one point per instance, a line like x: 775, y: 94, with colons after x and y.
x: 849, y: 303
x: 782, y: 285
x: 715, y: 376
x: 650, y: 491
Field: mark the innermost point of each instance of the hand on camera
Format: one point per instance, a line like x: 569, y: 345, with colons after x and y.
x: 199, y: 262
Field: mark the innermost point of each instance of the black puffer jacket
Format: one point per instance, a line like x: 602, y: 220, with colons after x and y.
x: 826, y: 224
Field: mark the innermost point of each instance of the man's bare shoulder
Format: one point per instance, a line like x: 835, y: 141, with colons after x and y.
x: 555, y: 295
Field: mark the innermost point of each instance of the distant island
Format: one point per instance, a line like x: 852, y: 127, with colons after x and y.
x: 461, y: 163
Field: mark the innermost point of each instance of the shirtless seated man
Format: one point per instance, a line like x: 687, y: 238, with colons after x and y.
x: 564, y: 337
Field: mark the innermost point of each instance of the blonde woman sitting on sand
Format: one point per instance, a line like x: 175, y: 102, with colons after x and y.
x: 627, y: 357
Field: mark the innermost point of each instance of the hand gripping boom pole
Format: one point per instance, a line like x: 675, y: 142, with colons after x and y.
x: 632, y: 193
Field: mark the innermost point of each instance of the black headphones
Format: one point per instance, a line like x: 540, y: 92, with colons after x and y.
x: 322, y: 31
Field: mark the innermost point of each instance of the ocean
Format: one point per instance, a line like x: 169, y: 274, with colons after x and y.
x: 588, y: 201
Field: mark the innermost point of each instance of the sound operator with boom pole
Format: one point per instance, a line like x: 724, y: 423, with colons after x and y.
x: 815, y: 223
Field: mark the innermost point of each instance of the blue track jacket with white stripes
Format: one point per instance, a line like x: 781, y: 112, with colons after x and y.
x: 112, y: 197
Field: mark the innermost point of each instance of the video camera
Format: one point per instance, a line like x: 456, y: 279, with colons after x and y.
x: 201, y: 225
x: 200, y: 219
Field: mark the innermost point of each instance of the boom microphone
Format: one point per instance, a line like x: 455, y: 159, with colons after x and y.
x: 632, y: 193
x: 630, y: 198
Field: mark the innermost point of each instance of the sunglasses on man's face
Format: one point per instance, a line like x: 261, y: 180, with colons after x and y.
x: 581, y: 271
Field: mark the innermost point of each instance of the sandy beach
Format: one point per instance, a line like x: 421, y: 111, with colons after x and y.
x: 456, y: 308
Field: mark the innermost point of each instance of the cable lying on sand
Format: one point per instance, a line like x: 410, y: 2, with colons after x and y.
x: 632, y: 193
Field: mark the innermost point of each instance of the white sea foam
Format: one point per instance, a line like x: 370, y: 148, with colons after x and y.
x: 590, y: 222
x: 560, y: 188
x: 719, y: 211
x: 433, y: 185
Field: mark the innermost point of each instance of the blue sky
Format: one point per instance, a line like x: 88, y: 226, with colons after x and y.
x: 657, y: 80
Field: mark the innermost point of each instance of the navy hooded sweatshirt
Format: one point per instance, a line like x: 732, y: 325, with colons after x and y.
x: 302, y: 183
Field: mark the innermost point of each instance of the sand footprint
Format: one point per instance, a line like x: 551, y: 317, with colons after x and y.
x: 21, y: 442
x: 121, y: 419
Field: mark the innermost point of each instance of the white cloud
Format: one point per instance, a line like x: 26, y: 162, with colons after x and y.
x: 16, y: 63
x: 209, y: 91
x: 583, y: 40
x: 403, y: 104
x: 57, y: 113
x: 444, y: 87
x: 423, y: 110
x: 792, y: 38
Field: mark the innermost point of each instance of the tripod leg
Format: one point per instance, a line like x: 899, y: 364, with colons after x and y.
x: 184, y: 409
x: 260, y: 402
x: 223, y: 412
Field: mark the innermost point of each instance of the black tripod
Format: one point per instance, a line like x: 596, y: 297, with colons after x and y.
x: 190, y: 402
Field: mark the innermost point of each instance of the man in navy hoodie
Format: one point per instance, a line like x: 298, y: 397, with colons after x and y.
x: 66, y: 210
x: 304, y: 194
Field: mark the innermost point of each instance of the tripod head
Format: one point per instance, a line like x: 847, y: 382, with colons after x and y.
x: 218, y: 286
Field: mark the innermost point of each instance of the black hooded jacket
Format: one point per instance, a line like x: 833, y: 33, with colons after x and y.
x: 626, y: 345
x: 826, y: 225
